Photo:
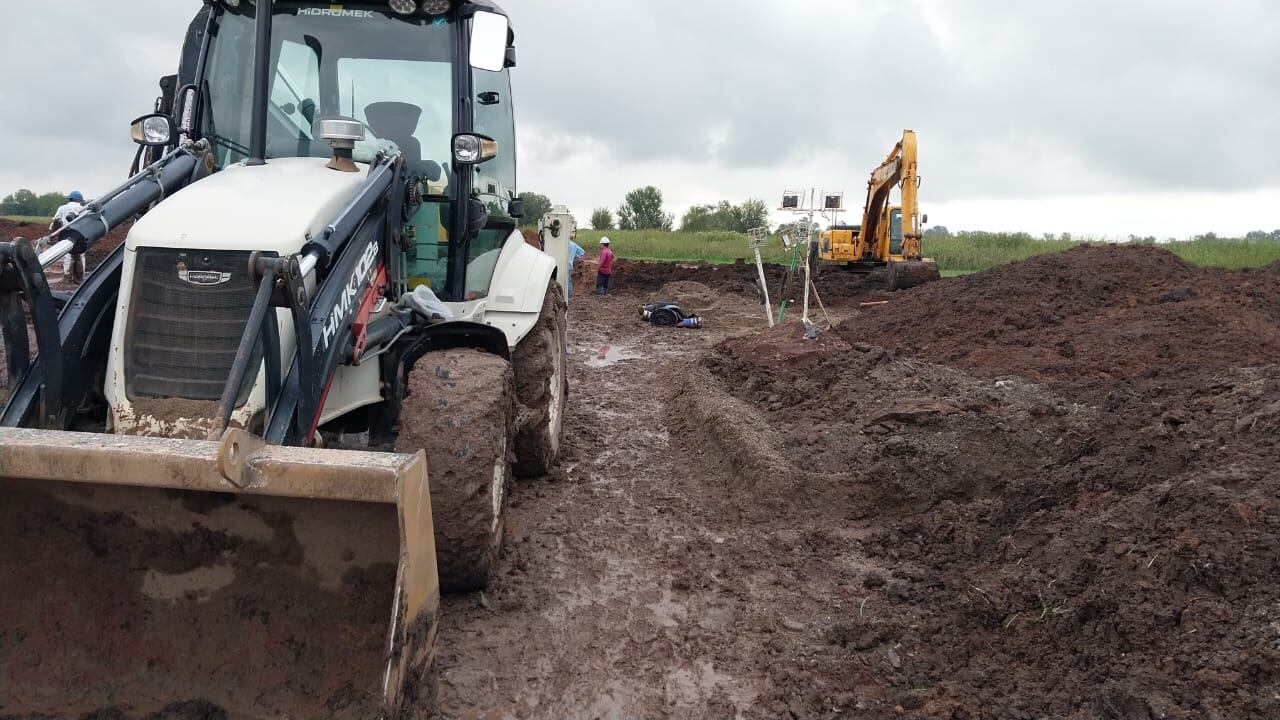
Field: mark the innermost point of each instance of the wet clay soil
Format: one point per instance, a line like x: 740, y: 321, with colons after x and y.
x: 1044, y: 491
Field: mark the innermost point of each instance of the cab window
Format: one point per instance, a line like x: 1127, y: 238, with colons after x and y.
x: 895, y: 231
x: 495, y: 180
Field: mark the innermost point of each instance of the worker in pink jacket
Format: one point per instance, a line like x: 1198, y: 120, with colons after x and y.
x: 605, y: 273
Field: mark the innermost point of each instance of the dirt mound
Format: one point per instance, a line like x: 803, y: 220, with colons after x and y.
x: 1046, y: 490
x: 1089, y: 313
x: 644, y: 277
x: 10, y: 229
x: 692, y: 297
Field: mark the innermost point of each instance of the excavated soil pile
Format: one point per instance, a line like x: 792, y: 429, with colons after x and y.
x: 691, y: 296
x: 32, y: 231
x: 637, y: 276
x: 1046, y: 490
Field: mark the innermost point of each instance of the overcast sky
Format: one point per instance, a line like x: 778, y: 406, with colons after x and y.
x: 1102, y: 117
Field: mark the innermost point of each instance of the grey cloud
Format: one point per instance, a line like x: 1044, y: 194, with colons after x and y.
x: 74, y: 74
x: 1133, y: 95
x: 1010, y: 99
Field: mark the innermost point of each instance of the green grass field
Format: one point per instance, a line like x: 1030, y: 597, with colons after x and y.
x: 956, y: 255
x: 26, y: 218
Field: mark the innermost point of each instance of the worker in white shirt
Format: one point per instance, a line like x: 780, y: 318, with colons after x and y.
x: 72, y: 265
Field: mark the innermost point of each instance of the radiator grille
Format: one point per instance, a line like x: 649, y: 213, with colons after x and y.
x: 183, y: 333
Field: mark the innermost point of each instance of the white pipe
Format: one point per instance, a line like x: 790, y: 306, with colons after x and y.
x: 764, y: 286
x: 808, y: 268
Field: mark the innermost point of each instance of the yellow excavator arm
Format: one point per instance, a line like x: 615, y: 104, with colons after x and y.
x: 900, y: 169
x: 889, y: 235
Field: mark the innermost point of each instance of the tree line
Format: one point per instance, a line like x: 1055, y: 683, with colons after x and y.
x: 642, y: 209
x: 26, y: 202
x: 941, y: 231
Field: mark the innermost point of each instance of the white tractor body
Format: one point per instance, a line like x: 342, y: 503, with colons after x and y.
x: 274, y: 209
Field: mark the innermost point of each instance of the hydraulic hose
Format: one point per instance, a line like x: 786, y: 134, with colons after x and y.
x: 149, y: 187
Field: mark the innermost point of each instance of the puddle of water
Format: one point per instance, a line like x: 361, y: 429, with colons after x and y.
x: 610, y: 355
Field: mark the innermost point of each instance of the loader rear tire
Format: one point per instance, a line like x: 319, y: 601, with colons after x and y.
x: 460, y: 409
x: 542, y: 387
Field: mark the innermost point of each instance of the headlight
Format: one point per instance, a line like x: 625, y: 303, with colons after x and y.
x: 474, y: 149
x: 435, y: 7
x: 153, y: 130
x: 403, y: 7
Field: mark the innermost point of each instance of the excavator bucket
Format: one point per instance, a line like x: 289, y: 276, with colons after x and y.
x: 158, y: 578
x: 911, y: 273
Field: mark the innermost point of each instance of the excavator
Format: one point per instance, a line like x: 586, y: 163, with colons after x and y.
x: 889, y: 235
x: 241, y: 462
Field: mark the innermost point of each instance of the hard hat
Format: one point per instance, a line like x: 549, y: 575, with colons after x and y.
x: 75, y: 195
x: 604, y: 241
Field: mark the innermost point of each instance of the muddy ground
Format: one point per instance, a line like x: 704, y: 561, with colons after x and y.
x: 1043, y: 491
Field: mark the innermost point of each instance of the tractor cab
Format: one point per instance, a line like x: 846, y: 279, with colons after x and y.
x: 429, y: 80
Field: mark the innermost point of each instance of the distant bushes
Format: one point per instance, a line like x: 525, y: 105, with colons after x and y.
x: 960, y: 252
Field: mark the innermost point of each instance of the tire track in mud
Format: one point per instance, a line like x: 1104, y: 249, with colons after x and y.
x: 611, y: 603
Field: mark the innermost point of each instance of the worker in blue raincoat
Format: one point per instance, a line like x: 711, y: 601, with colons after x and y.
x: 575, y: 252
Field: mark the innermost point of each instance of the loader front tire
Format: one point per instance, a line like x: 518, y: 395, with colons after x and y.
x: 460, y: 408
x: 542, y: 387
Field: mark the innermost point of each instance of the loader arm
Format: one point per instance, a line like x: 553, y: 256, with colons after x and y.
x: 46, y: 390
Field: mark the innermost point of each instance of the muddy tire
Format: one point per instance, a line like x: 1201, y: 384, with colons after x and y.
x: 542, y: 388
x: 460, y: 408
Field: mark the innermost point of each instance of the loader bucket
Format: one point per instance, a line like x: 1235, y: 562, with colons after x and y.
x: 160, y: 578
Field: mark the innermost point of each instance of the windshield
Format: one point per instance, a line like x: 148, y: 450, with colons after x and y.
x: 391, y: 72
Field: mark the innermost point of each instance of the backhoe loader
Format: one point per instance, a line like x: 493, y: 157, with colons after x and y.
x: 889, y: 236
x: 214, y: 456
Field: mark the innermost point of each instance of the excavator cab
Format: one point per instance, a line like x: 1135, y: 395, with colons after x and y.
x: 184, y: 531
x: 895, y: 231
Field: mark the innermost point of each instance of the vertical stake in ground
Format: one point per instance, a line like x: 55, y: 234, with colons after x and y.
x: 758, y: 237
x: 804, y: 204
x: 808, y: 269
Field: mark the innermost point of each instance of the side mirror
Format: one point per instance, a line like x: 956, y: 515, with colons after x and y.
x: 924, y: 219
x: 477, y: 217
x: 516, y: 209
x: 154, y: 130
x: 489, y: 34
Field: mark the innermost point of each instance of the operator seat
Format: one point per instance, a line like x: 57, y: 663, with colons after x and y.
x: 397, y: 121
